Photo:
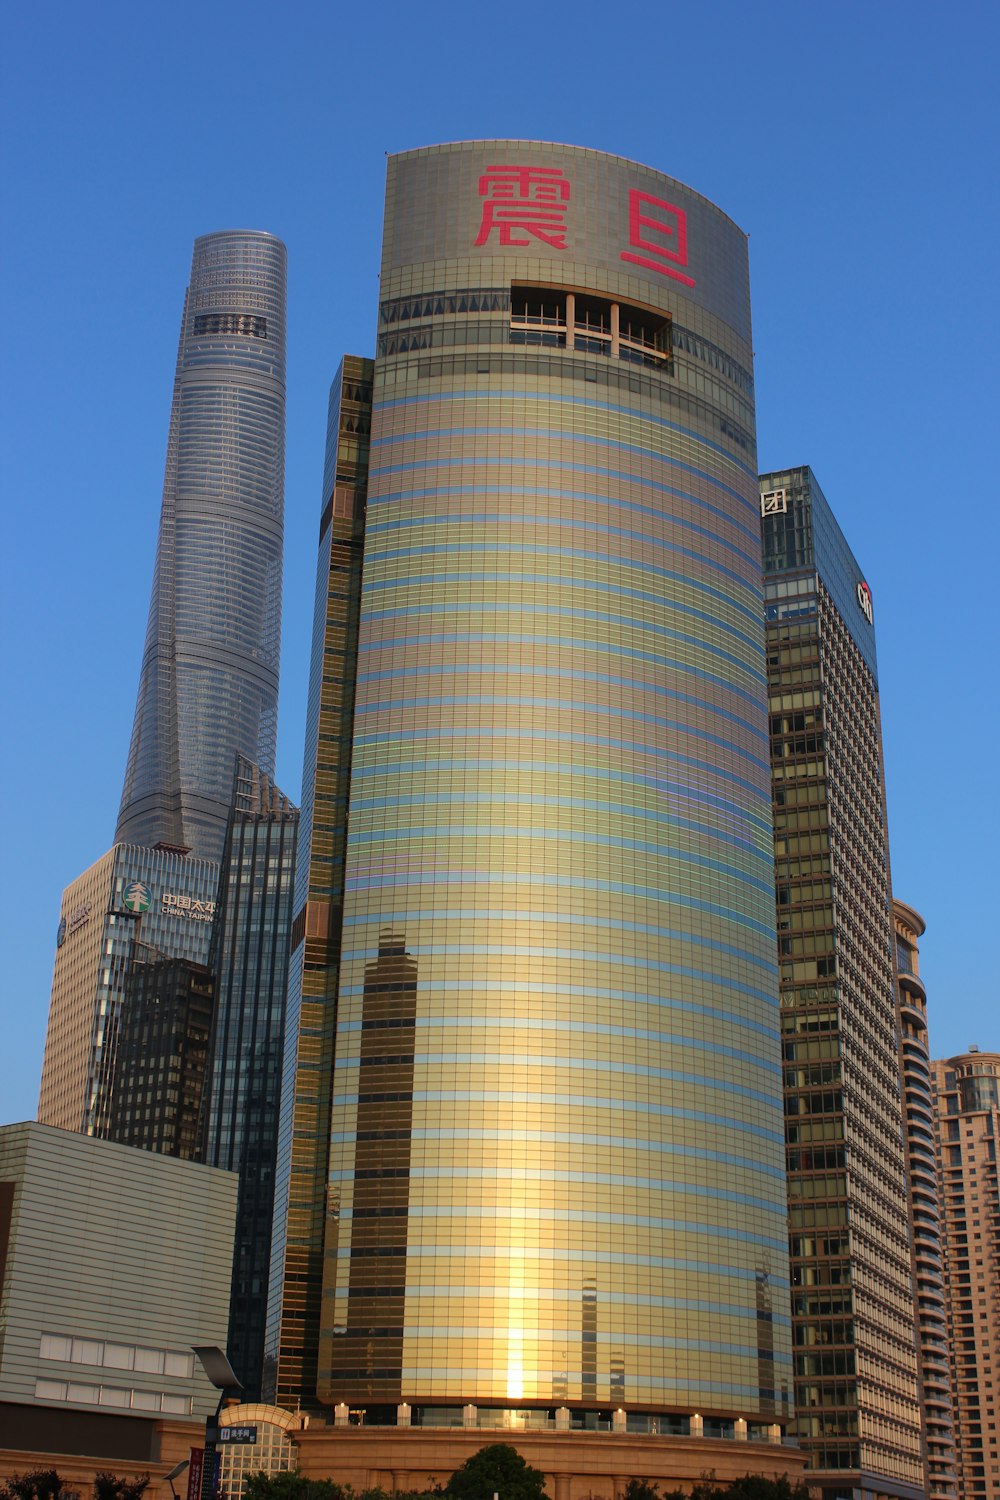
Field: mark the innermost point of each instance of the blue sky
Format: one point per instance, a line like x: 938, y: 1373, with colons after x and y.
x: 857, y: 145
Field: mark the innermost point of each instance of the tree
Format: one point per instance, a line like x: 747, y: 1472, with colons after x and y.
x: 641, y: 1489
x: 750, y: 1487
x: 292, y: 1485
x: 36, y: 1484
x: 498, y: 1469
x: 113, y: 1487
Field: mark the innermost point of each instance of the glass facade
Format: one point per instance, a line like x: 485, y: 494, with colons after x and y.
x: 556, y: 1166
x: 856, y: 1398
x: 300, y: 1199
x: 158, y: 1089
x: 249, y: 961
x: 131, y: 896
x: 209, y: 681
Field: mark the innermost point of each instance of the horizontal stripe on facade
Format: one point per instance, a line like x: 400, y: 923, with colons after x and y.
x: 582, y: 1101
x: 506, y: 490
x: 647, y: 1388
x: 523, y: 546
x: 484, y: 462
x: 489, y: 1334
x: 608, y: 1298
x: 528, y: 1213
x: 560, y: 1063
x: 668, y: 852
x: 571, y: 919
x: 572, y: 769
x: 571, y: 1028
x: 595, y: 1256
x: 540, y: 398
x: 561, y: 585
x: 588, y: 992
x: 572, y: 737
x: 562, y: 643
x: 619, y: 809
x: 518, y: 521
x: 481, y: 1173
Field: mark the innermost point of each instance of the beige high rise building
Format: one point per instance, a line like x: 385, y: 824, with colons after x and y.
x: 925, y: 1214
x: 159, y: 896
x: 967, y: 1107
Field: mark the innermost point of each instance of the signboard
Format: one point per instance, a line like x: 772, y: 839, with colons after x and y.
x: 237, y: 1434
x: 865, y: 601
x: 489, y: 204
x: 773, y: 503
x: 73, y: 921
x: 136, y: 897
x: 196, y: 1464
x: 187, y: 906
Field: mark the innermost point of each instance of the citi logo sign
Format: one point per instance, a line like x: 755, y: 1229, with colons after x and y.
x: 865, y: 601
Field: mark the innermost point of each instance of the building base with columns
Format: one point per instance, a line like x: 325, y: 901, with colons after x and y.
x: 578, y: 1465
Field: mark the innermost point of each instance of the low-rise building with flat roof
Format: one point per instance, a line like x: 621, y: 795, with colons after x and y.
x: 113, y: 1263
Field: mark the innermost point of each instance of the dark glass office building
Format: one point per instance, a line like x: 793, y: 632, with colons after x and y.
x: 249, y: 962
x: 535, y: 1162
x: 209, y: 681
x: 856, y: 1396
x: 158, y: 1090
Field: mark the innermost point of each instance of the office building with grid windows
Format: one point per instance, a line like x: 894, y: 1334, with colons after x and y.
x: 857, y: 1411
x: 130, y: 899
x: 249, y: 963
x: 967, y: 1116
x: 926, y: 1233
x: 208, y: 687
x: 533, y: 1163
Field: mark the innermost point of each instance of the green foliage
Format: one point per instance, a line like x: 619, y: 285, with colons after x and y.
x: 498, y: 1469
x: 750, y: 1487
x: 292, y: 1485
x: 36, y: 1484
x: 113, y: 1487
x: 641, y: 1489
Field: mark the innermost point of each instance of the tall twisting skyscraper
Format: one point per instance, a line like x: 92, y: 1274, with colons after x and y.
x: 209, y: 683
x: 856, y: 1397
x: 548, y: 1028
x: 209, y: 679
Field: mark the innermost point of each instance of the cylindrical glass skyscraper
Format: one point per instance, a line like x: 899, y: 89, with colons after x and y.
x: 557, y: 1170
x: 209, y: 682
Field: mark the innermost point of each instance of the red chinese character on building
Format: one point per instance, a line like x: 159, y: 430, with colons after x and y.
x: 670, y: 247
x: 531, y: 200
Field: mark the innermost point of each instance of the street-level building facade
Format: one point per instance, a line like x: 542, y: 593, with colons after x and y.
x: 208, y: 686
x: 857, y: 1412
x: 555, y: 1184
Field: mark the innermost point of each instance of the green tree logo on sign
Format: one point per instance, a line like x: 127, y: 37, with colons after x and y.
x: 137, y: 897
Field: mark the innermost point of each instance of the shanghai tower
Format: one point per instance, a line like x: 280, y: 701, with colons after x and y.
x: 208, y: 688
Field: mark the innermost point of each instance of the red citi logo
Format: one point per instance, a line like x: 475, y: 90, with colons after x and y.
x: 865, y: 600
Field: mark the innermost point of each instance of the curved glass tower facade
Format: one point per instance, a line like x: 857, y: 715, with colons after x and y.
x: 557, y: 1167
x: 209, y: 682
